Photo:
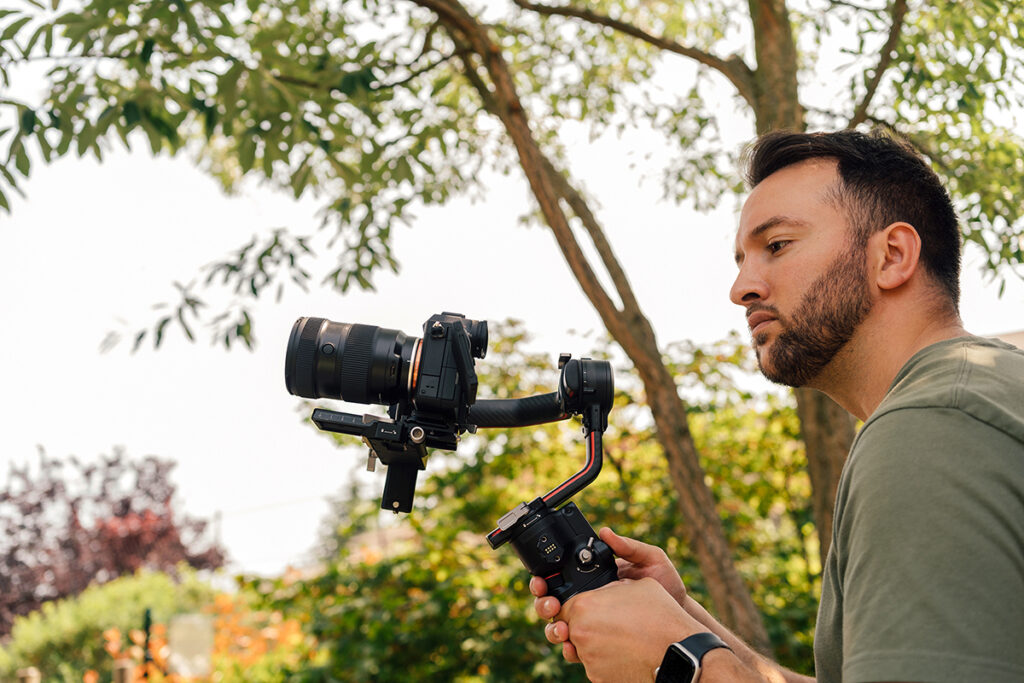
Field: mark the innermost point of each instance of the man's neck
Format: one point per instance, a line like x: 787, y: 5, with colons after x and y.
x: 860, y: 375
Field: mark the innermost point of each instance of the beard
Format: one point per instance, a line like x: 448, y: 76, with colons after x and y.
x: 829, y: 314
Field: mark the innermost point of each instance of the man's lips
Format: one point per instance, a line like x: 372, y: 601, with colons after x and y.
x: 758, y: 319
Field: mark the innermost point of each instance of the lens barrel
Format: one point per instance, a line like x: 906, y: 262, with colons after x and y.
x: 351, y: 362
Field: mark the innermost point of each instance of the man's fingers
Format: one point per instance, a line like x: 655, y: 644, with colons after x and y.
x: 547, y: 607
x: 538, y: 587
x: 569, y: 653
x: 557, y: 632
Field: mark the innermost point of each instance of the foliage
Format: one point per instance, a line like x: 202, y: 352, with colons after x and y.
x: 252, y: 645
x: 248, y: 647
x: 436, y: 603
x: 379, y: 107
x: 63, y: 638
x: 79, y: 639
x: 72, y: 523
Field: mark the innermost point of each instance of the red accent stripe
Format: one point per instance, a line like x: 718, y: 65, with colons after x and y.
x: 581, y: 473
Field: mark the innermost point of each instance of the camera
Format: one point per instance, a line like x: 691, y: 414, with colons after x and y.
x: 429, y: 385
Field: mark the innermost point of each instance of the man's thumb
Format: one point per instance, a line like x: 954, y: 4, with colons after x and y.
x: 627, y: 548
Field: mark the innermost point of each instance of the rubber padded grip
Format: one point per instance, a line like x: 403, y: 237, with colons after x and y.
x: 517, y: 412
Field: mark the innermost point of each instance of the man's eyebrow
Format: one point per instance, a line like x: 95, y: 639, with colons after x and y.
x: 764, y: 226
x: 778, y: 220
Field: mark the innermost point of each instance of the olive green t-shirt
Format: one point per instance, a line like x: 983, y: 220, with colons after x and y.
x: 925, y: 577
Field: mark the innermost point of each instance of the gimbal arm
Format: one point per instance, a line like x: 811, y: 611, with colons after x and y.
x: 517, y: 412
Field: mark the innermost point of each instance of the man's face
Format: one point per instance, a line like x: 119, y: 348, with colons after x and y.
x: 801, y: 280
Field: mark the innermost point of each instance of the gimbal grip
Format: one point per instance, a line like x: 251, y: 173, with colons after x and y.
x: 516, y: 412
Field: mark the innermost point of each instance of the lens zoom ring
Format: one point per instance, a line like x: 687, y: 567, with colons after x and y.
x: 355, y: 369
x: 305, y: 358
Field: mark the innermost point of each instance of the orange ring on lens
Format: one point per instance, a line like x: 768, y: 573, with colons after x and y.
x: 416, y: 366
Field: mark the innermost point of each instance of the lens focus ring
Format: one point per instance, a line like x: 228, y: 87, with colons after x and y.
x: 355, y: 370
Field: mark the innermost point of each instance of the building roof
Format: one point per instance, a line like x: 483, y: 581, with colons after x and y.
x: 1015, y: 338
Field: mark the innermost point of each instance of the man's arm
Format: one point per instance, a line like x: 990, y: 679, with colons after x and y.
x: 769, y: 670
x: 620, y: 632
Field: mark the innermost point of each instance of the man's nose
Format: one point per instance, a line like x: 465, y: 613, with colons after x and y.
x: 748, y: 287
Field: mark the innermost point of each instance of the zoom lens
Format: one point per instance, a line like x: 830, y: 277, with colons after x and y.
x: 351, y: 362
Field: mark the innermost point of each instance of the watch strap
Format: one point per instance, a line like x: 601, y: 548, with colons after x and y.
x: 699, y: 644
x: 693, y: 648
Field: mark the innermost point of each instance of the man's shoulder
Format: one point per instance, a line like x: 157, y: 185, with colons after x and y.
x: 983, y: 378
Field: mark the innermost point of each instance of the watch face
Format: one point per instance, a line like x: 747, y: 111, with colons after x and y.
x: 679, y: 666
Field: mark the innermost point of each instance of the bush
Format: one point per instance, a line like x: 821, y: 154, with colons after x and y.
x: 64, y: 638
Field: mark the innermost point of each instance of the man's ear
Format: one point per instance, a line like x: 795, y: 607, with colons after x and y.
x: 897, y: 253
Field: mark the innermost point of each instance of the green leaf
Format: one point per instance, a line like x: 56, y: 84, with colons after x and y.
x: 13, y: 29
x: 86, y: 138
x: 160, y: 331
x: 132, y: 114
x: 44, y: 144
x: 8, y: 176
x: 160, y: 125
x: 209, y: 121
x: 106, y: 117
x: 21, y: 160
x: 247, y: 153
x: 36, y: 35
x: 184, y: 325
x: 300, y: 179
x: 147, y: 50
x: 28, y: 121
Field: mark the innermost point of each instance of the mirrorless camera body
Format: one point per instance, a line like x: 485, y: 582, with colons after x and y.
x: 430, y: 385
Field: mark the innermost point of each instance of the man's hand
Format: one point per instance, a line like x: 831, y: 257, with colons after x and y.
x: 636, y: 560
x: 621, y: 631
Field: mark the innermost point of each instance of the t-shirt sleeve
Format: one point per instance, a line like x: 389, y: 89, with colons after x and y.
x: 932, y: 536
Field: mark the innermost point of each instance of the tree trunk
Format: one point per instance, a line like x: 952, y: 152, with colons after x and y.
x: 827, y: 431
x: 628, y: 326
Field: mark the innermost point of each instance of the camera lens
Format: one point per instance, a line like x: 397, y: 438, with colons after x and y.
x: 351, y: 362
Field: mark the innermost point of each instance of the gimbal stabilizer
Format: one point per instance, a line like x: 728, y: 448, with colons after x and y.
x: 430, y: 386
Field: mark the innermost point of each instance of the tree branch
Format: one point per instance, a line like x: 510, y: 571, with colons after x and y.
x: 733, y: 68
x: 853, y: 5
x: 580, y: 207
x: 885, y: 57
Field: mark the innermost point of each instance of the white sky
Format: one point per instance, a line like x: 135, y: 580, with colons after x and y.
x: 95, y: 244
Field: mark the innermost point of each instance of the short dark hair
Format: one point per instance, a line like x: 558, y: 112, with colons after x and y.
x: 883, y: 180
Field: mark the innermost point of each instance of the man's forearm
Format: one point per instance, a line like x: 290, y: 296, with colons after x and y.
x: 720, y: 669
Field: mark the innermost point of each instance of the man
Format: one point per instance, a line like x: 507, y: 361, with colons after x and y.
x: 849, y: 254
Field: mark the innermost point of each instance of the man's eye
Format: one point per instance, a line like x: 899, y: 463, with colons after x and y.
x: 776, y: 247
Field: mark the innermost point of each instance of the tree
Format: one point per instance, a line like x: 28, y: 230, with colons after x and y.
x: 72, y: 524
x: 381, y: 106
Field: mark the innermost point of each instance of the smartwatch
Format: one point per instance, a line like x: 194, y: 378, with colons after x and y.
x: 682, y: 660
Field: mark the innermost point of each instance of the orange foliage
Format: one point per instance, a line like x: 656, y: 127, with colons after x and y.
x: 246, y: 637
x: 241, y: 637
